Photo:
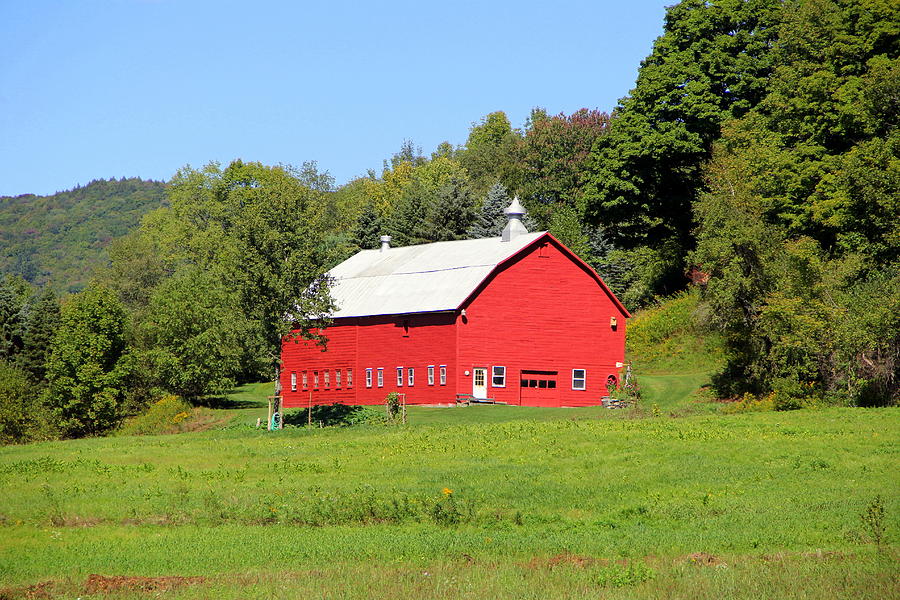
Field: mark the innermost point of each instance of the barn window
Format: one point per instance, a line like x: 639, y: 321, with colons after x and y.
x: 430, y: 374
x: 579, y: 379
x: 293, y: 381
x: 349, y: 378
x: 315, y: 380
x: 498, y: 377
x: 410, y: 376
x: 544, y: 251
x: 380, y: 377
x: 337, y: 378
x: 443, y: 374
x: 399, y: 376
x: 327, y: 380
x: 368, y: 377
x: 305, y: 382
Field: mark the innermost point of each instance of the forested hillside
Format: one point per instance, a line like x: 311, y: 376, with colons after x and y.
x: 61, y: 239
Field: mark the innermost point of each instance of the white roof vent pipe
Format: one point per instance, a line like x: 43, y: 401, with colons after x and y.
x: 514, y: 212
x: 385, y: 242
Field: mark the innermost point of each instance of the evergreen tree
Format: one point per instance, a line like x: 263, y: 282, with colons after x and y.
x: 452, y: 212
x: 12, y: 316
x: 40, y: 327
x: 368, y: 230
x: 490, y: 219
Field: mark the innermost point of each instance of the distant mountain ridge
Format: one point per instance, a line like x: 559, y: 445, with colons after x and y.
x: 62, y: 239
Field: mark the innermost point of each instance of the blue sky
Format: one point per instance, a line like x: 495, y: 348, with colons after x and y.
x: 113, y: 88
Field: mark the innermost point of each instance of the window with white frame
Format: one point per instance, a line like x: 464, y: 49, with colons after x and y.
x: 327, y: 379
x: 293, y: 381
x: 498, y: 377
x: 579, y: 379
x: 349, y: 378
x: 305, y: 381
x: 399, y: 376
x: 315, y: 380
x: 443, y: 375
x: 368, y: 377
x: 430, y: 374
x: 337, y: 378
x: 410, y: 376
x: 380, y: 376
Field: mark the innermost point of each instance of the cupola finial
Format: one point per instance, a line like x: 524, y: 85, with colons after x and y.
x: 514, y: 226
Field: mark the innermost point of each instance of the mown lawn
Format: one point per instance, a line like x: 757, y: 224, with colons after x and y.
x: 558, y: 503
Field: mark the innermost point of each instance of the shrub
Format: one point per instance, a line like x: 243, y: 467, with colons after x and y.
x: 167, y: 415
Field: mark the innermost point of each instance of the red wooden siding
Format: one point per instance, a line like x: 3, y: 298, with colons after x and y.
x: 388, y: 342
x: 542, y: 312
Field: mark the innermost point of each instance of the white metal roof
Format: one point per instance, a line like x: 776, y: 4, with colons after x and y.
x: 423, y: 278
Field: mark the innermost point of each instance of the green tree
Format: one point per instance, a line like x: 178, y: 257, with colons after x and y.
x: 711, y: 63
x: 193, y: 335
x: 37, y: 339
x: 87, y: 366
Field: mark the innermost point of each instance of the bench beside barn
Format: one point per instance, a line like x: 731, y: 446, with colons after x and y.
x: 518, y: 319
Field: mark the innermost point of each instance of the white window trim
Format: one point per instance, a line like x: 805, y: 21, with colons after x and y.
x: 430, y: 374
x: 380, y: 376
x: 315, y: 380
x: 443, y: 374
x: 582, y: 379
x: 399, y: 376
x: 327, y: 378
x: 410, y: 376
x: 368, y: 378
x: 305, y: 381
x: 293, y: 381
x: 493, y: 374
x: 337, y: 378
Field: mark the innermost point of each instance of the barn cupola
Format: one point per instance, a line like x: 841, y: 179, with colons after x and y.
x: 385, y: 242
x: 514, y: 212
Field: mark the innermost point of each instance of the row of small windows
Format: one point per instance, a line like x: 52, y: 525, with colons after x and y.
x: 326, y: 379
x: 498, y: 378
x: 407, y: 375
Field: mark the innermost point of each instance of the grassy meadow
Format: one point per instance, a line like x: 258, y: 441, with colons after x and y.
x: 669, y: 499
x: 575, y: 504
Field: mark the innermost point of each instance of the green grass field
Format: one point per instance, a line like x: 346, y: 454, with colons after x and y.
x: 669, y: 499
x: 545, y: 503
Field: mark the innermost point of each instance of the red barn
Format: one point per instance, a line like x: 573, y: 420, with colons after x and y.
x: 517, y: 319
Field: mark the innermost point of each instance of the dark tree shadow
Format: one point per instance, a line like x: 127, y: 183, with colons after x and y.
x: 327, y: 414
x: 223, y: 402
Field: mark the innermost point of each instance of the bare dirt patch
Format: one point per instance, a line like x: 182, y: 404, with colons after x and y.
x: 101, y: 583
x: 561, y: 560
x: 702, y: 559
x: 36, y: 591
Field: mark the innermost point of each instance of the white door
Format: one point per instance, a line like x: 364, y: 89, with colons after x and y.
x: 479, y: 382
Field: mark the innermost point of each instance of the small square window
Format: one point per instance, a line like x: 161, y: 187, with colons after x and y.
x: 410, y: 376
x: 368, y: 377
x: 399, y: 376
x: 430, y: 374
x: 294, y: 382
x: 498, y: 377
x: 579, y: 379
x: 443, y: 375
x: 380, y: 376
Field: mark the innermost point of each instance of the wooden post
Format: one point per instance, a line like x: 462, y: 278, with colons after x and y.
x: 309, y: 410
x: 269, y: 418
